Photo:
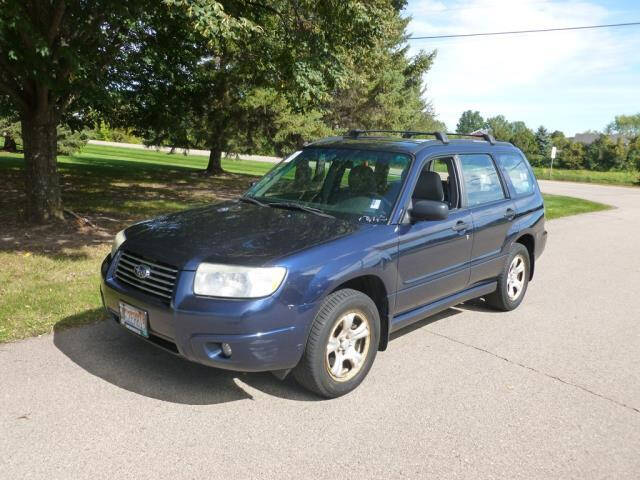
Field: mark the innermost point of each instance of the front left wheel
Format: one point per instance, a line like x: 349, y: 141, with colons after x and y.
x: 342, y: 344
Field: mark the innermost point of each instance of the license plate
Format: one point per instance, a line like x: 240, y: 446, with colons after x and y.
x: 134, y: 319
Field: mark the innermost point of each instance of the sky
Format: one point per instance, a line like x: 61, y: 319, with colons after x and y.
x: 571, y: 81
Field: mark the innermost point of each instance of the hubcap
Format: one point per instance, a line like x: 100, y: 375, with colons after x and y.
x: 348, y: 346
x: 516, y: 277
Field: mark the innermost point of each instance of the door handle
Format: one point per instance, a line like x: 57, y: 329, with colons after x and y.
x: 460, y: 226
x: 510, y: 214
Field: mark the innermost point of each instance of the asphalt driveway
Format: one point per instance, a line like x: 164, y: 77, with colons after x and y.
x: 551, y: 390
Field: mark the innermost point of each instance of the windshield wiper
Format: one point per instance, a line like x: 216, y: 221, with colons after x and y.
x: 248, y: 199
x: 297, y: 206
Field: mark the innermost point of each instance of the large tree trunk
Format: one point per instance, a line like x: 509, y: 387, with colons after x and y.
x: 9, y: 144
x: 42, y: 185
x: 214, y: 166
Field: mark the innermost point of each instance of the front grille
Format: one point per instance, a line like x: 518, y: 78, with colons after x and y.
x: 160, y: 281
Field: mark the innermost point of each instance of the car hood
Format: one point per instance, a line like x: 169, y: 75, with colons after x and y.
x: 234, y: 233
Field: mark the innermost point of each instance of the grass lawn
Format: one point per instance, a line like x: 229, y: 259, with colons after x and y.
x: 49, y: 275
x: 589, y: 176
x: 557, y: 206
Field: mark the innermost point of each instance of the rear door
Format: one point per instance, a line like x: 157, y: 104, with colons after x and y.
x: 485, y: 196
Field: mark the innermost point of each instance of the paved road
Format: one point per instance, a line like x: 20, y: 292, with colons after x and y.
x: 177, y: 151
x: 549, y: 391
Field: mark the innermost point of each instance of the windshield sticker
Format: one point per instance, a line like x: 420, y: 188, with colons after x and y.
x: 375, y: 204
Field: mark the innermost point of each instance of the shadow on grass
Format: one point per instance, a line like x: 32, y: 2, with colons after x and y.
x: 119, y: 357
x: 111, y: 193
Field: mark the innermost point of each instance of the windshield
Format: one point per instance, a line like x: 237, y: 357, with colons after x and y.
x: 338, y: 181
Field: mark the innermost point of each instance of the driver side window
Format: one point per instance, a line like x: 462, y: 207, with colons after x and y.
x: 437, y: 182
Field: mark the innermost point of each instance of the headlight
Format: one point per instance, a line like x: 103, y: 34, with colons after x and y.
x: 232, y: 281
x: 117, y: 241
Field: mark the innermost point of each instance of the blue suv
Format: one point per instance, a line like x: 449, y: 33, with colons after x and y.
x: 339, y: 245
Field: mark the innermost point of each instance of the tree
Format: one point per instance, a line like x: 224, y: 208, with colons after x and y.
x: 54, y: 60
x: 524, y: 138
x: 58, y: 58
x: 295, y: 52
x: 543, y: 144
x: 633, y: 157
x: 67, y: 140
x: 9, y: 128
x: 572, y: 156
x: 385, y: 88
x: 500, y: 128
x: 625, y: 125
x: 606, y: 154
x: 470, y: 121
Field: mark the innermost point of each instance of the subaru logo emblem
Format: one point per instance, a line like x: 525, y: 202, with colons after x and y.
x: 142, y: 271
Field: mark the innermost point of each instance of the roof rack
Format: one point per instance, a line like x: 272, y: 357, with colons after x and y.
x: 486, y: 136
x: 404, y: 133
x: 442, y: 136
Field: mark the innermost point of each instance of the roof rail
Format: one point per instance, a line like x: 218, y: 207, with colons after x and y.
x: 404, y: 133
x: 442, y: 136
x: 486, y: 136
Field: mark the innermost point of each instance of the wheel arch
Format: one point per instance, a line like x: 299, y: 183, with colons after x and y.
x: 374, y: 287
x: 529, y: 242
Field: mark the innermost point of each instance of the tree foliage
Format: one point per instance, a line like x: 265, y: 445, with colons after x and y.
x: 470, y: 121
x: 625, y: 125
x: 55, y: 62
x: 499, y: 127
x: 385, y: 87
x: 290, y: 73
x: 197, y: 73
x: 9, y: 128
x: 543, y: 145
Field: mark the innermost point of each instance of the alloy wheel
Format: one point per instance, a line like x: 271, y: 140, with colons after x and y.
x: 516, y: 277
x: 348, y: 346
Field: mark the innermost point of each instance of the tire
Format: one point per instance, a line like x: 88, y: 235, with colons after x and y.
x: 336, y: 361
x: 518, y: 265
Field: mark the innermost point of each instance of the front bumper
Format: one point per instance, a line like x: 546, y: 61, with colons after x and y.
x: 264, y: 334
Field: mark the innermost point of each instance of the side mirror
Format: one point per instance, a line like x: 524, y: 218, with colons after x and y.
x: 428, y: 210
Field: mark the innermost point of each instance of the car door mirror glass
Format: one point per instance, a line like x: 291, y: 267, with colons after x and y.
x: 428, y: 210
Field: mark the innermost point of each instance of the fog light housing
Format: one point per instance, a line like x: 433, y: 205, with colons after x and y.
x: 226, y: 349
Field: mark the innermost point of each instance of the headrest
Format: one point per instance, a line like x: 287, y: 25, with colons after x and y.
x: 362, y: 180
x: 429, y: 187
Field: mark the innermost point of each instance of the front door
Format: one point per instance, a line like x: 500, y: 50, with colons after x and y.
x: 434, y: 255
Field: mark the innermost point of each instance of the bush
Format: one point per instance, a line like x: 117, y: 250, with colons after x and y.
x: 105, y: 132
x: 70, y: 142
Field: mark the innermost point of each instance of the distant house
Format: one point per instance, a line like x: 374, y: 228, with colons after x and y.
x: 588, y: 138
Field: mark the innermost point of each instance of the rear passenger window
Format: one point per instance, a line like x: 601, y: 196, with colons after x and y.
x: 516, y: 168
x: 481, y: 181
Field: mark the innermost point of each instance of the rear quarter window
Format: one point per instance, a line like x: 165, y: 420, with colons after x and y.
x: 517, y: 169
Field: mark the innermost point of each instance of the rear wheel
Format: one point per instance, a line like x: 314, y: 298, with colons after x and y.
x: 513, y: 281
x: 342, y: 344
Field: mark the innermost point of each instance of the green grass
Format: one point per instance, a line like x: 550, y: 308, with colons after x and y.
x: 49, y: 276
x: 128, y: 184
x: 589, y: 176
x: 557, y: 206
x: 38, y: 291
